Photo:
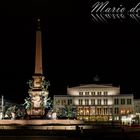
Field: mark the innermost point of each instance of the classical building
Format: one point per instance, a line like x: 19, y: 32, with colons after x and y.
x: 96, y: 102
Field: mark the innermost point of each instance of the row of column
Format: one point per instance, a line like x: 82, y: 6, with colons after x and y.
x: 94, y: 111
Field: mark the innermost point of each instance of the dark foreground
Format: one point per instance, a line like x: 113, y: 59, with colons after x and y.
x: 94, y: 134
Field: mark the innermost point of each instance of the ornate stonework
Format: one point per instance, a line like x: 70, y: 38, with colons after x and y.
x: 38, y: 93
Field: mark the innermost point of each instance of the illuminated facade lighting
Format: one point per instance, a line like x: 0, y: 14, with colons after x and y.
x: 97, y: 102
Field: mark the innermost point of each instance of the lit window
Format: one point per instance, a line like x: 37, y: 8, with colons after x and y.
x: 81, y: 93
x: 110, y: 111
x: 86, y: 101
x: 116, y: 101
x: 63, y: 102
x: 99, y: 111
x: 81, y: 112
x: 57, y: 102
x: 69, y: 101
x: 122, y: 101
x: 99, y: 101
x: 116, y: 110
x: 92, y: 93
x: 105, y: 111
x: 92, y: 101
x: 105, y: 101
x: 127, y: 111
x: 87, y: 93
x: 129, y: 101
x: 99, y: 93
x: 122, y: 111
x: 86, y: 111
x: 116, y: 118
x: 105, y: 92
x: 80, y: 101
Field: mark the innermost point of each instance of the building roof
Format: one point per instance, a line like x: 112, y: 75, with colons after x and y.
x: 120, y: 95
x: 136, y: 100
x: 62, y: 95
x: 94, y: 86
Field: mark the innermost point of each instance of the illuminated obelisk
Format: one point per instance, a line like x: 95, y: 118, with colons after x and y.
x: 38, y: 91
x: 38, y: 56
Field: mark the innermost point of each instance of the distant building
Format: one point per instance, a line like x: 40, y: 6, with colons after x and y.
x: 95, y: 102
x: 137, y: 105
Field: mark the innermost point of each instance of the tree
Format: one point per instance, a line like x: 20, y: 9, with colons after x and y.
x: 69, y: 111
x: 18, y: 111
x: 10, y: 111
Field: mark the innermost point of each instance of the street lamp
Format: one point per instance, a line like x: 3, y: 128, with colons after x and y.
x: 2, y: 107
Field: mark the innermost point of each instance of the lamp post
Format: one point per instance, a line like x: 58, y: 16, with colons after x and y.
x: 2, y: 106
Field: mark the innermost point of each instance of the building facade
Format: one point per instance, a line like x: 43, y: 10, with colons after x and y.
x: 94, y: 102
x: 137, y: 111
x: 137, y: 105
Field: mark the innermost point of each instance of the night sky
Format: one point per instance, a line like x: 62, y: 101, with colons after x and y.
x: 75, y: 48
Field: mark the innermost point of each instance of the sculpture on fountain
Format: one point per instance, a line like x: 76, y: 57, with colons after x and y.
x: 38, y: 101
